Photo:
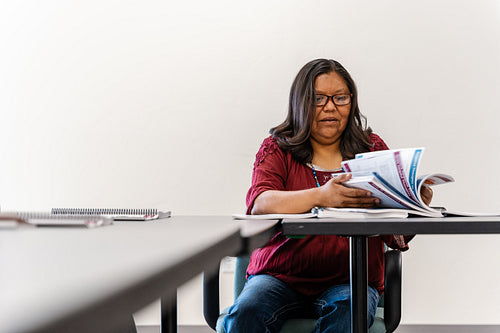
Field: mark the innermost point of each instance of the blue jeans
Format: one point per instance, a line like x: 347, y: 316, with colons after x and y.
x: 266, y: 303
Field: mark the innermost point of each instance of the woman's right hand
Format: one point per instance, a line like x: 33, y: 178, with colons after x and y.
x: 335, y: 194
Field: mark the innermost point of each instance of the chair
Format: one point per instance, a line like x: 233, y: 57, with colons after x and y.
x: 387, y: 317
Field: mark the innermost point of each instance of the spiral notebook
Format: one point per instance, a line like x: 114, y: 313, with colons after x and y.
x: 46, y: 219
x: 118, y: 214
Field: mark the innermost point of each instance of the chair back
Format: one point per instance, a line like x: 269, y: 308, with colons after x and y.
x: 240, y: 274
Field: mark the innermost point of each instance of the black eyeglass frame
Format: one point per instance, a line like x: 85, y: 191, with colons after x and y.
x: 328, y: 97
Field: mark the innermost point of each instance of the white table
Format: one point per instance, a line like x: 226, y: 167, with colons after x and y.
x: 67, y: 279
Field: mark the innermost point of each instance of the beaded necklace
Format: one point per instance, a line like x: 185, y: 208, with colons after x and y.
x: 316, y: 177
x: 314, y: 174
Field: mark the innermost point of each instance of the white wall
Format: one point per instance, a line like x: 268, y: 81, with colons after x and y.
x: 164, y: 104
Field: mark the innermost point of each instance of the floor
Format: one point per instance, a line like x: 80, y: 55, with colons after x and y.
x: 401, y: 329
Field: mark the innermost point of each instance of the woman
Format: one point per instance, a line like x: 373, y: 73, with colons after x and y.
x: 290, y: 278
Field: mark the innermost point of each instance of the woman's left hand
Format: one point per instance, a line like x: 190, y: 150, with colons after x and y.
x: 426, y: 194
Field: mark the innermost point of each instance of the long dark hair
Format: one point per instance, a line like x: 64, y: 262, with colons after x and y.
x: 294, y: 133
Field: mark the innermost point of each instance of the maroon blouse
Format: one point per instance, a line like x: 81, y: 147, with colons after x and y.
x: 312, y: 264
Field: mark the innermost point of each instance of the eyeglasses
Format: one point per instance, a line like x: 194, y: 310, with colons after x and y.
x: 339, y: 100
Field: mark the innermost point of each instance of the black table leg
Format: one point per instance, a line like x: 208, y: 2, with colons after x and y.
x: 359, y: 284
x: 169, y: 314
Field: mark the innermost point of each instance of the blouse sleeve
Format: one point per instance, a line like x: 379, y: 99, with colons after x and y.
x: 398, y: 242
x: 269, y: 171
x: 377, y: 143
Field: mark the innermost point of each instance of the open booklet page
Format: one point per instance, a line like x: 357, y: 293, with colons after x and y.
x: 398, y: 168
x: 391, y: 175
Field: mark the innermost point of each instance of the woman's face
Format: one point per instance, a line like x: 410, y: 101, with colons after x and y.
x: 330, y: 120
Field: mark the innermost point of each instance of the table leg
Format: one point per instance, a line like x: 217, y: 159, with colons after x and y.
x: 359, y: 284
x: 169, y: 314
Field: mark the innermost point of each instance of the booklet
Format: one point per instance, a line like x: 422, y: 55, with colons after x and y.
x: 391, y: 175
x: 275, y: 216
x: 342, y: 213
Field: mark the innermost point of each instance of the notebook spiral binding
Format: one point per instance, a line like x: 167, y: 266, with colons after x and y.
x: 46, y: 216
x: 103, y: 211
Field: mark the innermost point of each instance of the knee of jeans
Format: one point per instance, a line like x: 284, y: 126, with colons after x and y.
x: 334, y: 316
x: 243, y: 315
x: 339, y: 306
x: 244, y: 307
x: 338, y: 300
